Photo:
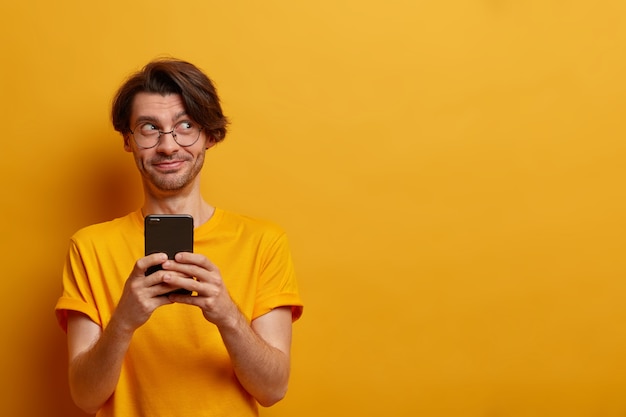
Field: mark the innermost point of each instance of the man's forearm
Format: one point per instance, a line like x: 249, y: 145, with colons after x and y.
x: 94, y: 373
x: 262, y: 369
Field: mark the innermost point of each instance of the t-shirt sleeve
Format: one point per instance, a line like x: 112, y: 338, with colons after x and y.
x: 277, y: 282
x: 77, y: 294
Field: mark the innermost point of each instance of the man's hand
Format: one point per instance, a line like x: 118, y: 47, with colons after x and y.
x: 143, y: 293
x: 212, y: 295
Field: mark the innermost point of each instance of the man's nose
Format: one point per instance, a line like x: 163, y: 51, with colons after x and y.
x: 167, y: 142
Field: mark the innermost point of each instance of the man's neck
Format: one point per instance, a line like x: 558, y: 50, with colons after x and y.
x: 193, y: 204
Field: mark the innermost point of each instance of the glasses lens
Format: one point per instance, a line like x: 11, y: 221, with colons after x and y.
x: 187, y: 133
x: 146, y: 135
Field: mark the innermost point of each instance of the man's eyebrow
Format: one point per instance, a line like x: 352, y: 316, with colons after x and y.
x: 179, y: 115
x: 152, y: 119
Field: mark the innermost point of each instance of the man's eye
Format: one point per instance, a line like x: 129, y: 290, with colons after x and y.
x: 148, y: 128
x: 185, y: 126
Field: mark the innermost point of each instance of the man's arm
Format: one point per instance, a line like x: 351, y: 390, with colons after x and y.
x: 259, y: 351
x: 96, y: 355
x: 95, y: 360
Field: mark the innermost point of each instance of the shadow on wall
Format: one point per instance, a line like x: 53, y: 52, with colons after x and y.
x: 108, y: 184
x: 100, y: 186
x: 54, y: 382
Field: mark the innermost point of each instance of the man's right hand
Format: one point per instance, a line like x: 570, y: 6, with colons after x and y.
x: 142, y: 293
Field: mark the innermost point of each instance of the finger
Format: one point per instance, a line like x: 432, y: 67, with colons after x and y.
x: 157, y: 283
x: 142, y: 265
x: 195, y: 259
x: 151, y: 282
x: 194, y: 265
x: 184, y: 299
x: 160, y: 290
x: 145, y: 284
x: 180, y: 281
x: 195, y: 271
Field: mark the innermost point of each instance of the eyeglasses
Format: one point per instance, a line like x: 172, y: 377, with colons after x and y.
x: 147, y: 135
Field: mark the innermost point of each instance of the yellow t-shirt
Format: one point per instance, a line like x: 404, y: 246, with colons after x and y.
x: 177, y: 364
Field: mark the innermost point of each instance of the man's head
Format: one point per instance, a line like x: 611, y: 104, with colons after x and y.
x: 173, y: 76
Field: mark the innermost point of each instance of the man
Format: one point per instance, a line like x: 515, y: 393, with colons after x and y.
x: 135, y: 347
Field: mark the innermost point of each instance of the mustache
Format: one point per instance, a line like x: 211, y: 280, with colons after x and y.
x: 170, y: 158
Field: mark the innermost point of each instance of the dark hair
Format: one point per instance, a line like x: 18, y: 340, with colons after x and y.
x: 173, y: 76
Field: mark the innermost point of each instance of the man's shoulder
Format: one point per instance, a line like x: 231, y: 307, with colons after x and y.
x: 103, y: 230
x: 250, y: 223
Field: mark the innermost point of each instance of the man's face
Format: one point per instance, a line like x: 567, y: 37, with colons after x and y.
x: 167, y: 167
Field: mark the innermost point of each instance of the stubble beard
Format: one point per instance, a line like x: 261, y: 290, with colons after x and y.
x: 175, y: 181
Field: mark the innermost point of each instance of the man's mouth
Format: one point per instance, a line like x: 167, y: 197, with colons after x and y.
x: 170, y: 165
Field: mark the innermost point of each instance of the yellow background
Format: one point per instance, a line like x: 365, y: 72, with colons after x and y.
x: 450, y: 173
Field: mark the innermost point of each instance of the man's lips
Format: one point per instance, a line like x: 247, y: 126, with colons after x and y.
x: 170, y: 165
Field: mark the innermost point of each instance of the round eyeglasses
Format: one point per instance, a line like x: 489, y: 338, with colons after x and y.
x: 147, y: 135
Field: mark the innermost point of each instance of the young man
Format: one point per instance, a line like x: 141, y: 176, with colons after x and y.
x: 136, y: 348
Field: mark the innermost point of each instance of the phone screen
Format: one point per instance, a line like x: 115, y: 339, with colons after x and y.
x: 167, y: 233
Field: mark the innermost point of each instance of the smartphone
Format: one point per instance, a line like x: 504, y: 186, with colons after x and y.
x: 170, y: 234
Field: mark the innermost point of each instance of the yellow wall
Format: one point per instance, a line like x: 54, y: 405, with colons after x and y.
x: 451, y: 175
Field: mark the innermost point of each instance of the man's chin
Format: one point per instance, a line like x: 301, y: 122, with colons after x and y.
x: 171, y: 181
x: 168, y: 183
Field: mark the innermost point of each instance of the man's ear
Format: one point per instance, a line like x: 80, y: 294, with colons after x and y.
x: 210, y: 142
x: 127, y: 146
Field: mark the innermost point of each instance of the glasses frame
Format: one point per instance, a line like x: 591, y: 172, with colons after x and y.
x: 161, y: 133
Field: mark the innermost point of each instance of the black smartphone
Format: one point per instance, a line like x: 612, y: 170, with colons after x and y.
x: 170, y: 234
